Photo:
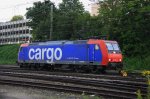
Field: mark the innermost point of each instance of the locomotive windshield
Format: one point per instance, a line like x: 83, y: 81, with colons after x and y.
x: 112, y: 47
x: 115, y: 46
x: 20, y: 49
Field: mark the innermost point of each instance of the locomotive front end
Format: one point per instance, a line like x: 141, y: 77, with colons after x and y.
x: 114, y: 55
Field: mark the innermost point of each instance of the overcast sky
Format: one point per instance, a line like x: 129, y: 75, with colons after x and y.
x: 9, y: 8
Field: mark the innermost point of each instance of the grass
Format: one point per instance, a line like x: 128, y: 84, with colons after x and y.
x: 90, y: 97
x: 137, y: 63
x: 139, y: 94
x: 8, y: 54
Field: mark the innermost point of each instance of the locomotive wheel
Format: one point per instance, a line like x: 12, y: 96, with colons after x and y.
x: 77, y: 69
x: 21, y: 66
x: 94, y: 69
x: 37, y: 67
x: 103, y: 70
x: 87, y: 69
x: 51, y: 68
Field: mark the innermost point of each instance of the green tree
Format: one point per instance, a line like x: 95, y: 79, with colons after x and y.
x: 40, y: 15
x: 135, y: 27
x: 68, y: 25
x: 17, y: 17
x: 70, y: 21
x: 127, y: 22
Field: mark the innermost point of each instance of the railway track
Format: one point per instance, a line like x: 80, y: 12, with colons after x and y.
x: 131, y: 77
x: 107, y: 86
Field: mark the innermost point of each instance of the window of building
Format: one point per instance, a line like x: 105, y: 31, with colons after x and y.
x: 24, y: 24
x: 11, y: 26
x: 13, y: 33
x: 27, y: 31
x: 8, y: 33
x: 20, y: 25
x: 17, y: 32
x: 8, y: 26
x: 24, y: 31
x: 14, y: 26
x: 20, y: 32
x: 17, y: 25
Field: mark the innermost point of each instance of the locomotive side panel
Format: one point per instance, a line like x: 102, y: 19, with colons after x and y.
x: 75, y: 54
x: 62, y: 54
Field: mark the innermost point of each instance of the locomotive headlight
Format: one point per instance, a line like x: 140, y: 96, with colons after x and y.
x: 114, y: 52
x: 109, y: 59
x: 120, y: 60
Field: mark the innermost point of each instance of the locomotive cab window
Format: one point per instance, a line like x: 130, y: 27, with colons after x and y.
x: 113, y: 47
x: 96, y: 47
x: 109, y: 46
x: 20, y: 49
x: 116, y: 47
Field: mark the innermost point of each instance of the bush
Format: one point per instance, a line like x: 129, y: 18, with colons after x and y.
x: 8, y: 54
x: 137, y: 63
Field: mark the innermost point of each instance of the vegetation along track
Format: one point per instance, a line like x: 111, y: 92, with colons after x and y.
x: 102, y: 85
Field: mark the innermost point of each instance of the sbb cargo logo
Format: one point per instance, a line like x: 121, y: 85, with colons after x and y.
x: 45, y: 53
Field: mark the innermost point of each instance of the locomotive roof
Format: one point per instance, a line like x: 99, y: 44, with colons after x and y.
x: 109, y: 41
x: 59, y: 42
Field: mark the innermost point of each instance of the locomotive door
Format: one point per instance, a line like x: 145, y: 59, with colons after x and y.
x: 97, y: 54
x: 91, y: 53
x: 94, y: 53
x: 21, y: 53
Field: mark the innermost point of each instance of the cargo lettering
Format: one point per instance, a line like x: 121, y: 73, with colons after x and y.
x: 45, y: 53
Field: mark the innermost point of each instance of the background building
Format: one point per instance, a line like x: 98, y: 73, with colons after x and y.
x: 15, y: 32
x: 95, y: 6
x: 94, y: 9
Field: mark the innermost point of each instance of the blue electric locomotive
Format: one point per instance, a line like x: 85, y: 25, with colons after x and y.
x: 90, y: 55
